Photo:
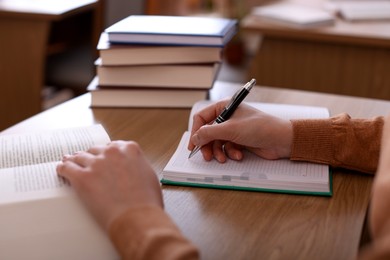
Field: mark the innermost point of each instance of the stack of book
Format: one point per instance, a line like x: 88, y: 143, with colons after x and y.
x: 159, y: 61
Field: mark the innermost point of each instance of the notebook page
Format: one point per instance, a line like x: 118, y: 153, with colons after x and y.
x: 252, y: 168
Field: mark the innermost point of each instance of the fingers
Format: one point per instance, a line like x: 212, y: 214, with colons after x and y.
x: 83, y: 159
x: 129, y: 147
x: 69, y: 170
x: 218, y: 151
x: 72, y: 165
x: 206, y: 116
x: 210, y: 133
x: 233, y: 151
x: 78, y: 162
x: 99, y: 149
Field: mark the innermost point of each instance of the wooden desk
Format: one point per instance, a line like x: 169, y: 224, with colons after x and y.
x: 347, y: 58
x: 24, y: 44
x: 227, y: 224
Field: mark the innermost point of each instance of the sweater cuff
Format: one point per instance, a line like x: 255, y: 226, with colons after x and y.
x: 147, y: 232
x: 312, y: 140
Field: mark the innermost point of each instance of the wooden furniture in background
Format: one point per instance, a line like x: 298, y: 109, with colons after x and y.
x: 347, y: 58
x: 188, y: 7
x: 28, y: 34
x: 227, y: 224
x: 155, y: 7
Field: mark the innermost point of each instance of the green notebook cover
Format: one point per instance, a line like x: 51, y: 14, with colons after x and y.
x: 230, y: 187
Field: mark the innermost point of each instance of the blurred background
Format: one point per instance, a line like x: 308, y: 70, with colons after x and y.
x: 48, y: 49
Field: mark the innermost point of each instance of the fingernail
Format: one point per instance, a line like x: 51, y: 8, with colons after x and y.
x: 195, y: 139
x: 237, y: 156
x: 65, y: 157
x: 221, y: 159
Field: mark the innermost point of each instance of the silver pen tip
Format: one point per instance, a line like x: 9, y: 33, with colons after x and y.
x: 194, y: 151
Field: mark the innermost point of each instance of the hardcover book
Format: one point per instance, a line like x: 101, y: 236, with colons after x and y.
x: 125, y: 54
x: 173, y: 30
x: 200, y: 76
x: 144, y: 97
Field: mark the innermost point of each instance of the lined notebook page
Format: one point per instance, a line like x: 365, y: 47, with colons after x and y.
x: 253, y: 171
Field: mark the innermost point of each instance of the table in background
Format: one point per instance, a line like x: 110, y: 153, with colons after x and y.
x: 347, y: 58
x: 24, y: 44
x: 227, y: 224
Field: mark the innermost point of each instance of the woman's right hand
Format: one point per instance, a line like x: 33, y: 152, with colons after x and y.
x: 265, y: 135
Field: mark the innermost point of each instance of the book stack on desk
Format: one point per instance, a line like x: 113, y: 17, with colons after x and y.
x: 159, y: 61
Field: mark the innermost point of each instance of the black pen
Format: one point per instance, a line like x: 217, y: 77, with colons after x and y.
x: 228, y: 111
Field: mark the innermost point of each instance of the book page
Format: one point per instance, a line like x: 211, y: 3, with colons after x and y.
x: 58, y: 228
x: 280, y: 110
x: 32, y: 182
x: 48, y: 146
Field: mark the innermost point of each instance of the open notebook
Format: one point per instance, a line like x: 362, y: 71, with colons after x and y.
x: 253, y: 173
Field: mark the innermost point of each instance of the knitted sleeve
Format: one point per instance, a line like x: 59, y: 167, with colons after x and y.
x: 149, y: 233
x: 338, y: 141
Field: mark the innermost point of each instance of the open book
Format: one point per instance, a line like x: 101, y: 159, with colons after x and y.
x: 253, y: 172
x: 362, y: 10
x: 41, y: 216
x: 294, y: 15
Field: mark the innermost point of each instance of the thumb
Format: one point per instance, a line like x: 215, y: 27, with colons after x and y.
x: 209, y: 133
